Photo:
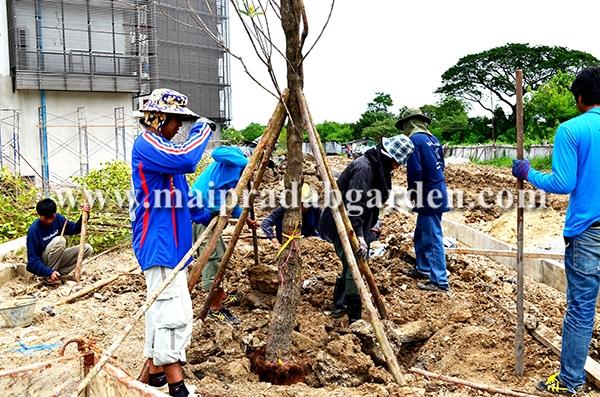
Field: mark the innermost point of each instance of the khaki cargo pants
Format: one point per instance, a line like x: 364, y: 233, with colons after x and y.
x: 169, y: 319
x: 62, y: 259
x: 210, y: 270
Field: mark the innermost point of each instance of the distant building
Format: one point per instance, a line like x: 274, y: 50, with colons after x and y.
x: 71, y: 73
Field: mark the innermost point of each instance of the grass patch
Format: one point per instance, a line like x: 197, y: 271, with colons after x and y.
x: 539, y: 163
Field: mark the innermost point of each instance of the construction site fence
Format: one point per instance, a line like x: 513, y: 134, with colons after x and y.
x: 490, y: 152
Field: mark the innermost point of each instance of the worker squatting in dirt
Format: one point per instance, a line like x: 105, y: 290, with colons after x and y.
x: 47, y: 252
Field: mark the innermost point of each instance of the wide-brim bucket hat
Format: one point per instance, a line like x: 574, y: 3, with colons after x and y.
x: 165, y: 100
x: 411, y: 113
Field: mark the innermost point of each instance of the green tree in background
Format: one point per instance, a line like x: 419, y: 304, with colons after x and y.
x: 331, y: 131
x: 252, y: 131
x: 380, y: 129
x: 552, y: 104
x: 377, y: 110
x: 449, y: 119
x: 477, y: 76
x: 231, y: 136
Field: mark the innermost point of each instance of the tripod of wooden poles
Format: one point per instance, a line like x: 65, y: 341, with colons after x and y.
x: 371, y: 298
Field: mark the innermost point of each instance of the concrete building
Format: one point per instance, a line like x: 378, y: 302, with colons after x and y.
x: 72, y: 73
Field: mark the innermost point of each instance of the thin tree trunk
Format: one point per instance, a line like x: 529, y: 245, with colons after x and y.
x: 279, y: 340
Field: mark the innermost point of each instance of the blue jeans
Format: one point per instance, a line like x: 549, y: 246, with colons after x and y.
x: 582, y: 267
x: 429, y: 248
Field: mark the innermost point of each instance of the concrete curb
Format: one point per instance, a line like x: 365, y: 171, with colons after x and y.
x: 8, y: 271
x: 545, y: 271
x: 549, y: 272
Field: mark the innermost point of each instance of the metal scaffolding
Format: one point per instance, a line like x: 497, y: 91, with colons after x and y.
x: 9, y: 140
x: 75, y: 138
x: 84, y: 150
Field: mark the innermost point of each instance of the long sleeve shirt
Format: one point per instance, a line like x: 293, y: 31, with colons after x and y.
x: 426, y: 166
x: 38, y: 238
x: 310, y: 223
x: 160, y: 217
x: 212, y: 184
x: 575, y: 170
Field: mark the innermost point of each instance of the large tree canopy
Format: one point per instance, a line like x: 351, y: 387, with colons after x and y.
x: 549, y: 106
x: 477, y: 76
x: 377, y: 111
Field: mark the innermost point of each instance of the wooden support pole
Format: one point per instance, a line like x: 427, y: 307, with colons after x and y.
x: 84, y: 220
x: 141, y: 311
x: 344, y: 234
x: 233, y: 199
x: 254, y: 234
x: 93, y: 287
x: 349, y: 230
x: 473, y: 385
x: 273, y: 131
x: 504, y: 253
x: 520, y: 330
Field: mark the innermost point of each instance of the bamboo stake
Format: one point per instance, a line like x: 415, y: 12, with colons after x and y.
x: 504, y: 253
x: 273, y: 133
x: 520, y: 330
x: 62, y: 232
x: 84, y: 220
x: 141, y: 311
x: 254, y: 235
x: 473, y: 385
x: 233, y: 199
x: 344, y: 234
x: 98, y: 284
x: 362, y: 263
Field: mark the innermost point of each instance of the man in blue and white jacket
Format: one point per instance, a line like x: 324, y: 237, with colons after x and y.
x: 162, y: 228
x: 576, y: 171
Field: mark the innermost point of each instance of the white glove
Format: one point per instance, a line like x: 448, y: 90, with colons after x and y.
x: 363, y: 249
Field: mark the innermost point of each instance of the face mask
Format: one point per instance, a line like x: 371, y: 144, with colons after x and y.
x: 415, y: 125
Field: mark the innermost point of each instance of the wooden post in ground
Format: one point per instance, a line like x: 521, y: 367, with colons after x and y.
x: 140, y: 313
x: 253, y: 215
x: 362, y: 263
x: 520, y: 330
x: 254, y: 236
x: 344, y: 234
x: 84, y: 220
x: 233, y: 199
x: 273, y: 130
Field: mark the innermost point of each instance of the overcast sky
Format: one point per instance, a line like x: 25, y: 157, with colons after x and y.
x: 402, y: 48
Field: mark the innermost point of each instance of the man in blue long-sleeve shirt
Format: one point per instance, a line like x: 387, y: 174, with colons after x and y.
x: 47, y: 252
x: 576, y: 171
x: 427, y: 189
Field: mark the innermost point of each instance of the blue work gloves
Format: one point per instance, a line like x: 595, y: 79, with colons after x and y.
x: 520, y: 169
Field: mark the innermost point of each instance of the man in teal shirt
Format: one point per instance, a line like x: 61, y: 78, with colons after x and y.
x: 576, y: 171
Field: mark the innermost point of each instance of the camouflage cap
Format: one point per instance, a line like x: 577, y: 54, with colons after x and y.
x: 410, y: 113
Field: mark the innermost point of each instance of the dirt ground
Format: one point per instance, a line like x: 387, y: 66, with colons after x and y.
x: 468, y: 333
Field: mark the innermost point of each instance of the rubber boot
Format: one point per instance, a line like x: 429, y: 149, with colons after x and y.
x: 339, y: 307
x: 354, y: 308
